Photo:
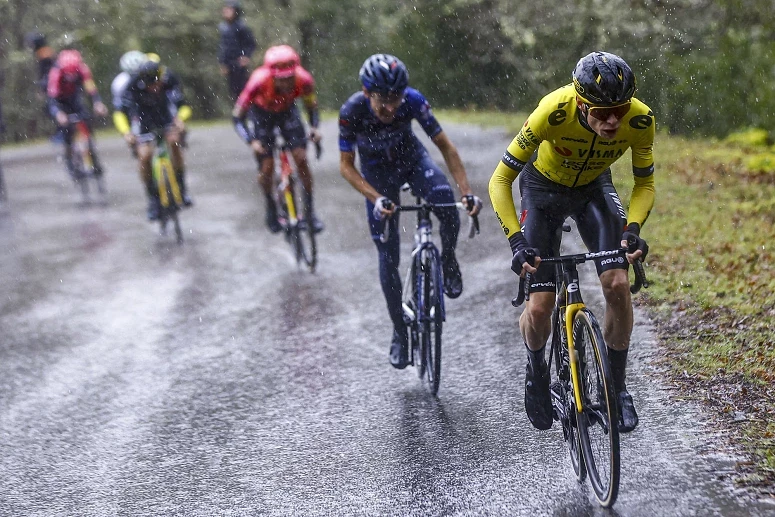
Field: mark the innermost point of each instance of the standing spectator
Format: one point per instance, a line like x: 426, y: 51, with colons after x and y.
x: 44, y: 58
x: 235, y: 48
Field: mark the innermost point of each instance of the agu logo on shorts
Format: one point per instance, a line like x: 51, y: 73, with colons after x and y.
x: 563, y: 151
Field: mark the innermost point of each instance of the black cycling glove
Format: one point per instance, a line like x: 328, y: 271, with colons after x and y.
x: 522, y: 252
x: 634, y: 242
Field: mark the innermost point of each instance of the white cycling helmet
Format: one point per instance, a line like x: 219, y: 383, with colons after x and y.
x: 132, y: 61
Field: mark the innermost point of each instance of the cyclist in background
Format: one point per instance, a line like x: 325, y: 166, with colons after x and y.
x: 271, y: 92
x: 130, y: 64
x: 579, y: 131
x: 147, y: 104
x: 236, y: 46
x: 66, y: 81
x: 377, y: 121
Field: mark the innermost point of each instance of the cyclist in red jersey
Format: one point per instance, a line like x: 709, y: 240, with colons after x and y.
x: 269, y: 98
x: 66, y: 80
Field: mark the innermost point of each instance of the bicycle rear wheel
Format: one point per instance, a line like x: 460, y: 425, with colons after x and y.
x: 562, y: 397
x: 598, y: 422
x: 432, y: 319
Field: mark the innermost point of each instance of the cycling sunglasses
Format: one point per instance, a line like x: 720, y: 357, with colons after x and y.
x: 393, y: 99
x: 603, y: 113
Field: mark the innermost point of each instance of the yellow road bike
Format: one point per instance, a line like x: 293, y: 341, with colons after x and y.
x: 299, y: 232
x: 170, y: 196
x: 582, y: 389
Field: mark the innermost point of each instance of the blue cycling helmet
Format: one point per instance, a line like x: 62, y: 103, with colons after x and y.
x: 603, y: 79
x: 383, y: 73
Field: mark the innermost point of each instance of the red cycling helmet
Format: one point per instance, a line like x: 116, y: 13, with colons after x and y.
x: 69, y: 61
x: 282, y: 61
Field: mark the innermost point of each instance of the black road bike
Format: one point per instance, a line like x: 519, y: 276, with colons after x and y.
x: 582, y: 389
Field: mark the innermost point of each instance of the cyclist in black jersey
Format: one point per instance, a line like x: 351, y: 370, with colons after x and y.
x: 579, y: 130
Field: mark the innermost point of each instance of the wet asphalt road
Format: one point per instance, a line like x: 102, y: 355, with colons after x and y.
x: 138, y: 377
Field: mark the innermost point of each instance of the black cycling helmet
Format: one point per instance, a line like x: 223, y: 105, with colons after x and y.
x: 603, y: 79
x: 149, y: 71
x: 383, y: 73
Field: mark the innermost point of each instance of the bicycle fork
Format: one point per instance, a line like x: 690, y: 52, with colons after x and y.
x: 573, y: 304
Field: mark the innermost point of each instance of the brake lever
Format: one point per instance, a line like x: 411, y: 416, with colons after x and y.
x: 640, y: 277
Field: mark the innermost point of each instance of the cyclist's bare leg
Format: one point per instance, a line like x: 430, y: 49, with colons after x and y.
x: 266, y: 180
x: 536, y: 320
x: 172, y: 136
x: 536, y: 324
x: 305, y: 175
x: 617, y: 328
x: 302, y: 165
x: 144, y: 156
x: 617, y: 324
x: 266, y: 173
x: 68, y: 148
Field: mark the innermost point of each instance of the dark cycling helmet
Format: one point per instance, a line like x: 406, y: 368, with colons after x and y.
x: 35, y: 40
x: 149, y: 71
x: 383, y: 73
x: 69, y: 61
x: 603, y: 79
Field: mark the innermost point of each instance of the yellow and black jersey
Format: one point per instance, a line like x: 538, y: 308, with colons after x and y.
x: 572, y: 155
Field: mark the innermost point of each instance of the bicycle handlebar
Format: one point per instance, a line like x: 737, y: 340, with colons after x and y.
x: 637, y: 266
x: 473, y: 224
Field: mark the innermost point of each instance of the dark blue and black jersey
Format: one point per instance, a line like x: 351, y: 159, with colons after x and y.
x: 382, y: 144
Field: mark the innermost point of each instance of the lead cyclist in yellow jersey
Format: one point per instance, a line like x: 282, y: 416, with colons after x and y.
x: 579, y: 130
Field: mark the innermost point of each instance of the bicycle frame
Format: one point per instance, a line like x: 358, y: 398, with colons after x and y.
x: 82, y: 143
x: 569, y: 291
x: 285, y: 185
x: 161, y: 164
x: 570, y: 301
x: 423, y: 244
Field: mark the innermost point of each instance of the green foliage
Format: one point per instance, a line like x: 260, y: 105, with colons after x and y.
x: 751, y: 137
x: 706, y: 71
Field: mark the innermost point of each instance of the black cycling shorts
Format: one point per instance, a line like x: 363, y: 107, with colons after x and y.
x: 595, y: 207
x: 288, y: 122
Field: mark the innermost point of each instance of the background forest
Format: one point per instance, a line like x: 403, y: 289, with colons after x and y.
x: 704, y: 66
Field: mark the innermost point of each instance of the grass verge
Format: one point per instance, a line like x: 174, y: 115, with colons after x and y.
x: 712, y: 240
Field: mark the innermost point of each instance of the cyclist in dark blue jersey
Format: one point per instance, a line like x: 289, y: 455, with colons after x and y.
x: 377, y: 121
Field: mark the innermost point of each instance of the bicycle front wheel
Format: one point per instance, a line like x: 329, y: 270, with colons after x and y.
x: 563, y: 399
x: 308, y: 246
x: 432, y: 320
x: 598, y: 422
